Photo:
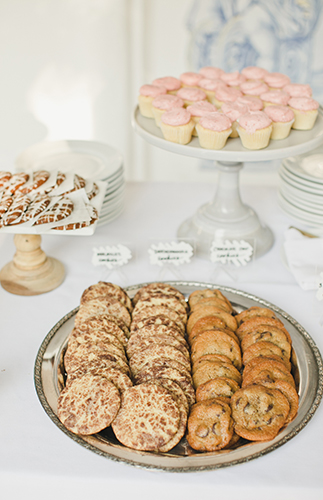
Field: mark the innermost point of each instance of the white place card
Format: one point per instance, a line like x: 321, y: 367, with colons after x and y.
x: 170, y: 253
x: 236, y: 252
x: 111, y: 256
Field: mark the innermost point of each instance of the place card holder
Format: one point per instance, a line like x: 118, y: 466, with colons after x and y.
x: 113, y: 258
x: 171, y: 257
x: 231, y: 256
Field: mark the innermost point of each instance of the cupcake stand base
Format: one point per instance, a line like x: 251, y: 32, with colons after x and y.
x: 31, y: 272
x: 227, y: 217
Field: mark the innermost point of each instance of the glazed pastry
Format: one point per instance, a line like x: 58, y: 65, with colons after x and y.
x: 213, y: 130
x: 255, y: 130
x: 177, y: 126
x: 147, y: 93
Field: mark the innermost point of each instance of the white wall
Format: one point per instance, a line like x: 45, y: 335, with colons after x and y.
x: 72, y: 69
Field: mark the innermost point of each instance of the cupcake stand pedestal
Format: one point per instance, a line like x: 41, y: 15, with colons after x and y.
x: 226, y: 217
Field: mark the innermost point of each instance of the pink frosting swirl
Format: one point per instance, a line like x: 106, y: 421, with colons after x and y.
x: 233, y: 79
x: 211, y: 85
x: 149, y: 90
x: 254, y: 73
x: 280, y: 113
x: 253, y: 87
x: 253, y: 103
x: 252, y: 122
x: 190, y: 78
x: 276, y: 97
x: 176, y: 117
x: 277, y: 80
x: 191, y: 94
x: 233, y: 110
x: 215, y: 121
x: 303, y: 103
x: 211, y: 72
x: 298, y: 90
x: 201, y: 108
x: 170, y: 82
x: 227, y: 94
x: 168, y: 101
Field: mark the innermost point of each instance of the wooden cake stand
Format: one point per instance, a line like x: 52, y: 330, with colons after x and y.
x: 31, y: 272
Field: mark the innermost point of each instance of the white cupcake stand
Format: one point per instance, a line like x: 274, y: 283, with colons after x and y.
x: 227, y: 217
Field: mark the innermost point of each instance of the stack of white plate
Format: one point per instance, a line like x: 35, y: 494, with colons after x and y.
x: 301, y: 187
x: 91, y: 160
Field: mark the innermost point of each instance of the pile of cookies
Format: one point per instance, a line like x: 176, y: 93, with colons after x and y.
x: 33, y: 197
x: 157, y: 368
x: 242, y: 374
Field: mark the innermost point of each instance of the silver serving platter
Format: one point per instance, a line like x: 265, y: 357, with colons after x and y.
x: 308, y: 372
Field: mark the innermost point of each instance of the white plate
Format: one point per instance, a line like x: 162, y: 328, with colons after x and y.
x: 299, y: 185
x: 301, y: 194
x: 300, y: 180
x: 89, y: 159
x: 307, y: 205
x: 106, y: 210
x: 294, y: 166
x: 300, y: 215
x: 112, y: 216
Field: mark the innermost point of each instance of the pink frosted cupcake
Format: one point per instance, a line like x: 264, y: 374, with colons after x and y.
x: 254, y: 73
x: 211, y: 72
x: 191, y: 95
x: 147, y: 93
x: 276, y: 80
x: 233, y: 79
x: 199, y: 109
x: 255, y: 130
x: 190, y: 79
x: 298, y: 90
x: 275, y: 97
x: 209, y: 86
x: 165, y: 103
x: 253, y: 103
x: 282, y: 118
x: 177, y: 125
x: 234, y: 110
x: 225, y: 94
x: 253, y: 87
x: 213, y: 130
x: 305, y: 111
x: 171, y: 83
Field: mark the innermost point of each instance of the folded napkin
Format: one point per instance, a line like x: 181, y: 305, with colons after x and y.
x: 305, y: 258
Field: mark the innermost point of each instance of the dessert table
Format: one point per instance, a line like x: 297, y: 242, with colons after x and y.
x: 37, y: 460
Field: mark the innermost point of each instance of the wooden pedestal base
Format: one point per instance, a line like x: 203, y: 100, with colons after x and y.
x: 31, y: 272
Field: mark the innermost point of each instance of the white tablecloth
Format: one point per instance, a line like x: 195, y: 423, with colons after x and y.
x: 37, y: 460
